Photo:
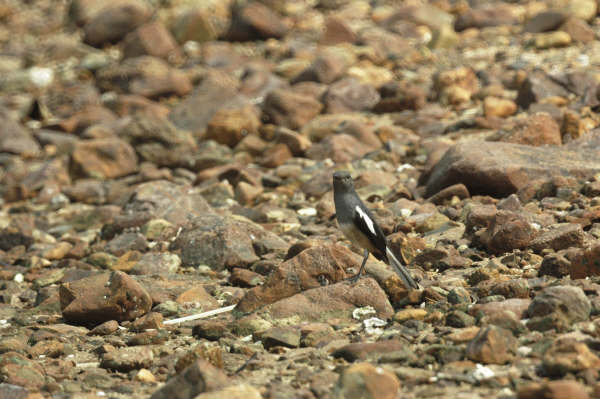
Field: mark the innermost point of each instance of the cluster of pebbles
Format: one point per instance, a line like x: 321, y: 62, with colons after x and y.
x: 160, y: 159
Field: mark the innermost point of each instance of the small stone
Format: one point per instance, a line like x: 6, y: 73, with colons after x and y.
x: 492, y: 345
x: 245, y: 278
x: 290, y: 109
x: 112, y: 23
x: 106, y: 328
x: 127, y: 359
x: 552, y: 39
x: 150, y: 39
x: 566, y: 304
x: 410, y: 314
x: 350, y: 95
x: 149, y: 321
x: 199, y: 377
x: 508, y: 231
x: 145, y: 375
x: 363, y: 380
x: 255, y: 21
x: 281, y: 336
x: 498, y: 107
x: 586, y: 262
x: 230, y: 125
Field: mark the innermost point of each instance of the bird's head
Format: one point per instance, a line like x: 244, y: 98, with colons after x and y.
x: 342, y: 181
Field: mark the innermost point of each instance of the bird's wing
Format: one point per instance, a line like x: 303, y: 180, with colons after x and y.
x: 369, y: 227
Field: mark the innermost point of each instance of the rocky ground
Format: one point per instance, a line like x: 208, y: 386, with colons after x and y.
x: 161, y: 158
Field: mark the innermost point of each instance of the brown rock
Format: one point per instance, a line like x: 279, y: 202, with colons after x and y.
x: 304, y: 271
x: 214, y: 92
x: 112, y: 23
x: 105, y: 296
x: 146, y: 76
x: 336, y: 301
x: 245, y: 278
x: 150, y: 39
x: 289, y: 109
x: 544, y: 21
x: 287, y: 336
x: 371, y: 351
x: 149, y: 321
x: 104, y: 158
x: 349, y: 95
x: 339, y: 147
x: 255, y: 21
x: 562, y: 389
x: 578, y: 29
x: 106, y: 328
x: 492, y: 345
x: 277, y: 155
x: 200, y: 377
x: 498, y: 107
x: 447, y: 82
x: 518, y: 306
x: 337, y: 31
x: 197, y: 296
x: 508, y: 231
x: 203, y: 22
x: 555, y: 265
x: 127, y: 359
x: 500, y: 169
x: 568, y: 303
x: 400, y: 96
x: 485, y: 16
x: 15, y: 139
x: 228, y: 126
x: 537, y: 129
x: 329, y: 65
x: 538, y: 86
x: 560, y: 237
x: 10, y: 391
x: 227, y: 242
x: 458, y: 190
x: 586, y: 262
x: 297, y: 143
x: 166, y: 200
x: 363, y: 380
x: 569, y: 357
x: 16, y: 369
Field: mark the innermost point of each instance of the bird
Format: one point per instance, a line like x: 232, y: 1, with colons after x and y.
x: 360, y: 227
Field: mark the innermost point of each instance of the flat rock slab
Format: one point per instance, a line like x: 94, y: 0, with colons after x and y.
x: 500, y: 169
x: 332, y: 301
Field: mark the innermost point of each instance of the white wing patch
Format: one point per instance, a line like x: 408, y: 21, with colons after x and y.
x: 366, y: 218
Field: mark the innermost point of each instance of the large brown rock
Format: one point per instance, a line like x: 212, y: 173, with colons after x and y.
x: 336, y: 301
x: 363, y: 380
x: 150, y: 39
x: 199, y: 377
x: 225, y: 242
x: 104, y: 158
x: 507, y: 231
x: 112, y: 23
x: 500, y: 169
x: 102, y: 297
x: 255, y: 21
x: 290, y: 109
x: 537, y: 129
x: 562, y: 389
x: 306, y: 270
x: 586, y: 262
x: 492, y: 345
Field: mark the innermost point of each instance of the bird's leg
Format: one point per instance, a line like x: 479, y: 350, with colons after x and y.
x: 355, y: 278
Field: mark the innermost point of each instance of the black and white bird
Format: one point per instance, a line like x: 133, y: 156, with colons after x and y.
x: 359, y: 226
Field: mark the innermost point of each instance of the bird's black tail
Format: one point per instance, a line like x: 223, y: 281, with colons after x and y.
x: 400, y: 270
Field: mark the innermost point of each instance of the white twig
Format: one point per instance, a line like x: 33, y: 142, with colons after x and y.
x: 200, y: 315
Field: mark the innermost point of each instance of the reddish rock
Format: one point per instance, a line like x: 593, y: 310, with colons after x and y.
x: 230, y: 125
x: 364, y: 380
x: 306, y: 270
x: 537, y: 129
x: 569, y: 357
x: 350, y: 95
x: 492, y: 345
x: 297, y: 143
x: 567, y: 302
x: 339, y: 147
x: 112, y: 23
x: 199, y: 377
x: 579, y: 30
x: 538, y: 86
x: 255, y: 21
x: 370, y: 351
x: 104, y: 158
x: 562, y: 389
x: 337, y: 31
x: 151, y: 39
x: 289, y: 109
x: 486, y: 16
x: 462, y: 78
x: 507, y: 231
x: 327, y: 67
x: 16, y: 369
x: 146, y: 76
x: 586, y: 262
x: 336, y: 301
x: 500, y: 169
x: 518, y: 306
x: 400, y: 96
x: 245, y: 278
x: 105, y: 296
x: 276, y: 156
x: 560, y: 237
